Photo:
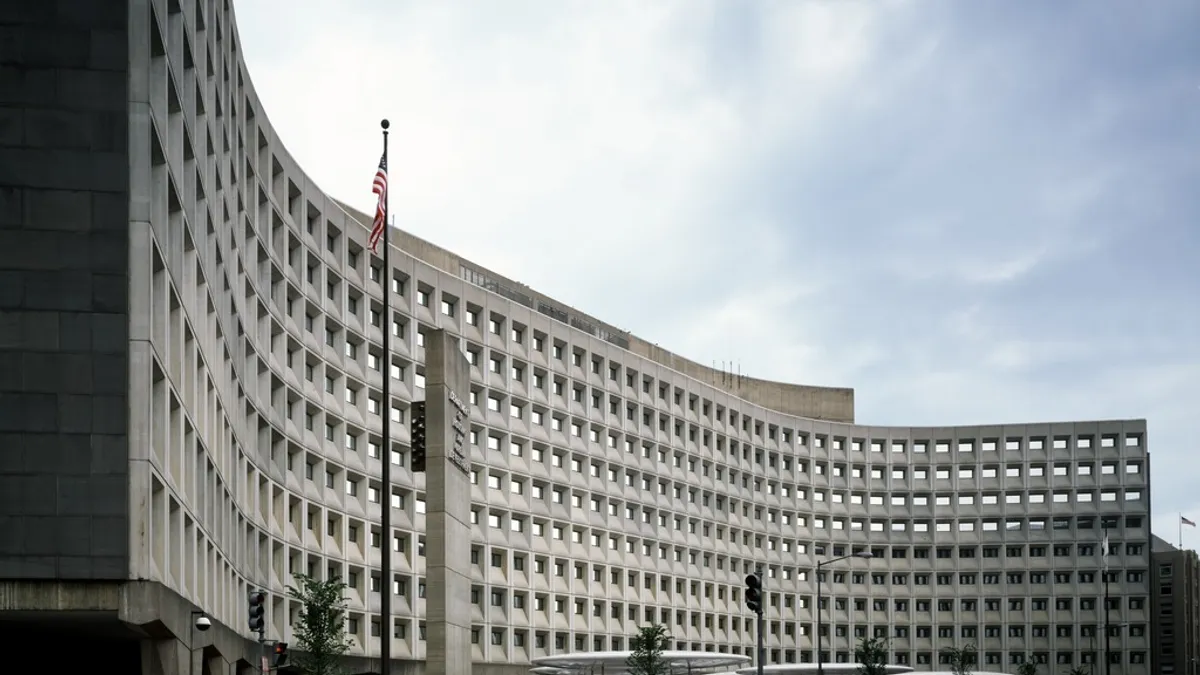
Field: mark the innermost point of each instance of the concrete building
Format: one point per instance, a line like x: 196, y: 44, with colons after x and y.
x: 1176, y: 609
x: 190, y: 408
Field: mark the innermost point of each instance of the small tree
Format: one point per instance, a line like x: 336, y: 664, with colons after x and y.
x: 961, y: 659
x: 1079, y: 670
x: 648, y: 646
x: 320, y: 628
x: 1027, y: 667
x: 872, y: 656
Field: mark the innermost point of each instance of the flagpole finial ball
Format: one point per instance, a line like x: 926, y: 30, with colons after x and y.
x: 385, y: 124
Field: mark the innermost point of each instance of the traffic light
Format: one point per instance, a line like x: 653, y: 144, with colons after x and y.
x: 754, y: 593
x: 256, y: 607
x: 280, y: 654
x: 416, y: 413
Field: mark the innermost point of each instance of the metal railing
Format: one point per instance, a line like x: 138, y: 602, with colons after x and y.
x: 556, y: 312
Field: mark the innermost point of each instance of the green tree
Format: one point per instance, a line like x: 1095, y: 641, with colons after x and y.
x: 872, y: 656
x: 960, y: 659
x: 648, y: 646
x: 320, y: 627
x: 1028, y: 667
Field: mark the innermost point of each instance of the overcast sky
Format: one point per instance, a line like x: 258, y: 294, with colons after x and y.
x: 971, y: 212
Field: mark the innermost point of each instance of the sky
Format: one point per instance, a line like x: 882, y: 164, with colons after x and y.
x: 970, y: 212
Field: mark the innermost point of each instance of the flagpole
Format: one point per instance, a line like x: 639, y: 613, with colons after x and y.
x: 385, y: 643
x: 1180, y: 530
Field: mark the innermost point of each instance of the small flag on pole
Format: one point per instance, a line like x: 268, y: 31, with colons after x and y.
x: 379, y: 227
x: 1185, y: 521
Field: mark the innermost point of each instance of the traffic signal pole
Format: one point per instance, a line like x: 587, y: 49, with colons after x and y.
x: 762, y: 622
x: 756, y: 600
x: 762, y: 649
x: 256, y: 618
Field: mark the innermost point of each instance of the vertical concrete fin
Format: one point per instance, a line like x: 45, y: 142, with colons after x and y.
x: 448, y: 497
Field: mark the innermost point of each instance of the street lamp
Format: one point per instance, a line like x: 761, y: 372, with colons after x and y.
x: 820, y: 564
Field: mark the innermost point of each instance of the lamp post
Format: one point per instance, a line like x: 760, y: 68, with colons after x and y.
x: 820, y: 565
x: 1104, y: 523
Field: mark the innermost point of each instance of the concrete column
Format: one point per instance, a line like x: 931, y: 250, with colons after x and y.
x: 213, y: 664
x: 448, y: 507
x: 164, y: 657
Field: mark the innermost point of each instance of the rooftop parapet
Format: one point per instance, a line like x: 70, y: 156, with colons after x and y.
x: 834, y: 404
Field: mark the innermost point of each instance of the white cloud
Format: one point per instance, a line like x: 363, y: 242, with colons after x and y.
x: 963, y: 218
x: 589, y: 126
x: 1005, y: 269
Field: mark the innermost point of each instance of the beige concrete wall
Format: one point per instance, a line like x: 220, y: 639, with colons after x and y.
x: 833, y: 404
x: 448, y: 495
x: 1183, y: 577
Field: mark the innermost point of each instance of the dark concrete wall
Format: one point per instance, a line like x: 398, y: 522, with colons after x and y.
x: 64, y: 205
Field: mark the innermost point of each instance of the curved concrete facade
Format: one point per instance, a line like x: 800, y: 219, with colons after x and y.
x: 614, y: 483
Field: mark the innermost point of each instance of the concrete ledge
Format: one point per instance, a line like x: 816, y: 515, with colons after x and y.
x: 60, y: 596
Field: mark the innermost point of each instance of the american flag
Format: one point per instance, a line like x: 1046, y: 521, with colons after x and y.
x: 379, y: 188
x: 1185, y: 521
